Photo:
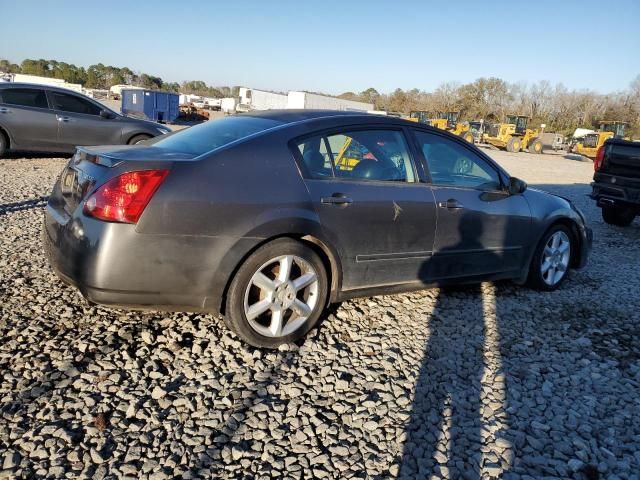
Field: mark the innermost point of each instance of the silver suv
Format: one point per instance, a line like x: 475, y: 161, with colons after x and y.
x: 41, y: 118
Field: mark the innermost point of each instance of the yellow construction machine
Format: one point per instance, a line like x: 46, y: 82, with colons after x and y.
x: 592, y: 141
x: 444, y: 121
x: 513, y: 135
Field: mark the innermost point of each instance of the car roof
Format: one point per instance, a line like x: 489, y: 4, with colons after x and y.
x: 299, y: 115
x: 39, y: 86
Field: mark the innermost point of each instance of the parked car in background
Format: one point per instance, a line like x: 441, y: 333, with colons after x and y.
x: 43, y: 118
x: 616, y: 181
x: 268, y: 217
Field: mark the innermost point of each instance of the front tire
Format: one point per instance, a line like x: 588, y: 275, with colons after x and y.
x: 552, y: 259
x: 535, y: 146
x: 514, y: 144
x: 467, y: 136
x: 277, y: 294
x: 621, y: 217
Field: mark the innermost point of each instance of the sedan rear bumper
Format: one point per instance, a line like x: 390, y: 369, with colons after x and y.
x: 112, y: 264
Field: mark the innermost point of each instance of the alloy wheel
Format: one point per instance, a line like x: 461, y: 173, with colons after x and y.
x: 281, y: 296
x: 555, y: 258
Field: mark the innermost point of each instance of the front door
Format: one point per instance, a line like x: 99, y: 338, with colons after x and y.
x: 373, y: 208
x: 482, y: 229
x: 80, y: 123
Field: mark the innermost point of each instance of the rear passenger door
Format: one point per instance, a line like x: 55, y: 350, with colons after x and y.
x: 25, y: 115
x: 371, y: 203
x: 80, y: 123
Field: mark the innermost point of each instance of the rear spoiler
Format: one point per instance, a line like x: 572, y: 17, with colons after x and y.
x: 85, y: 154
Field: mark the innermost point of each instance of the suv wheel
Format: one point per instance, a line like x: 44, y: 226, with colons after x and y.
x: 551, y: 260
x: 277, y: 295
x: 621, y: 217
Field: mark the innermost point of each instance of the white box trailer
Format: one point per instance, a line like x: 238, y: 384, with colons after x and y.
x: 52, y: 82
x: 228, y: 105
x: 252, y: 99
x: 306, y: 100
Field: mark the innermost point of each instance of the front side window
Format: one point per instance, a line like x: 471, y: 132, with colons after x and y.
x: 24, y: 97
x: 73, y: 104
x: 455, y: 165
x: 376, y: 155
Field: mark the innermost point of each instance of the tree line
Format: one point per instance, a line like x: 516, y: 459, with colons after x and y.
x: 101, y: 76
x: 561, y: 109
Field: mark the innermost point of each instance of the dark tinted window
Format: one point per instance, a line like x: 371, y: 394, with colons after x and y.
x: 73, y: 104
x: 380, y: 155
x: 371, y: 155
x: 214, y: 134
x: 26, y: 97
x: 453, y: 164
x: 316, y: 157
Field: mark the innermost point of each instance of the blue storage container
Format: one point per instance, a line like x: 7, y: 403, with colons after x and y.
x: 150, y: 105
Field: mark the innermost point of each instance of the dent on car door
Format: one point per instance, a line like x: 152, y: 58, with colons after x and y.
x: 80, y: 123
x: 373, y: 208
x: 25, y: 115
x: 482, y: 229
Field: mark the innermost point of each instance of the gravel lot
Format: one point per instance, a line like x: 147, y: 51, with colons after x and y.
x: 478, y: 382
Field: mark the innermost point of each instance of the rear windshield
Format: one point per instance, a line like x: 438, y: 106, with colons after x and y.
x: 214, y: 134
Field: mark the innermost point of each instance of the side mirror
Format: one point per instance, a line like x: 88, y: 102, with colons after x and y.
x: 106, y: 115
x: 516, y: 186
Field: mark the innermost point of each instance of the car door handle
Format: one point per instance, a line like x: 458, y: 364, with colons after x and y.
x: 336, y: 199
x: 64, y: 119
x: 451, y: 204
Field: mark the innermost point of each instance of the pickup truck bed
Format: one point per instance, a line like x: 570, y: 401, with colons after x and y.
x: 616, y: 181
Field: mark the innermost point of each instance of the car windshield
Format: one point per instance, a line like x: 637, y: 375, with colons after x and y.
x: 214, y: 134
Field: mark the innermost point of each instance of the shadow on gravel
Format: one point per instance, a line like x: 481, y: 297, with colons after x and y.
x: 447, y: 432
x: 19, y: 155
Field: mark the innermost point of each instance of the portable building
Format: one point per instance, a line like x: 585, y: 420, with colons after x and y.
x: 150, y: 105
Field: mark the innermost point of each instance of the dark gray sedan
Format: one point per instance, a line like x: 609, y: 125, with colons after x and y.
x: 268, y: 217
x: 40, y: 118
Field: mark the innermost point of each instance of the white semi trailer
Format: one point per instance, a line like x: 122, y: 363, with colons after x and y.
x: 253, y: 99
x: 306, y: 100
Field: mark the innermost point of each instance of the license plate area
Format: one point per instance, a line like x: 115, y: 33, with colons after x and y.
x: 69, y: 181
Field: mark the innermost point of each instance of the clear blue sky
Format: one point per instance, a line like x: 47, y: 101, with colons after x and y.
x: 335, y: 46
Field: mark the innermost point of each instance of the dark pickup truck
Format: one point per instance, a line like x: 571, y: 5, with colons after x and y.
x: 616, y: 181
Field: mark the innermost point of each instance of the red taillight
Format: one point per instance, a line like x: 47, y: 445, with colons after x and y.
x: 597, y: 163
x: 124, y: 198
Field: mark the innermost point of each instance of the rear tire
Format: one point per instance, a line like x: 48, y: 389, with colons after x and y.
x: 514, y: 144
x: 3, y: 144
x: 137, y: 139
x: 535, y: 146
x: 621, y: 217
x: 288, y: 310
x: 552, y: 259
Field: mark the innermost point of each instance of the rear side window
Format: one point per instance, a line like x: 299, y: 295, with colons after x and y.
x: 376, y: 155
x: 73, y: 104
x: 213, y: 134
x: 24, y: 97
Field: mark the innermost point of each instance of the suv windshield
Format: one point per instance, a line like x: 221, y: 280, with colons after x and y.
x: 214, y: 134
